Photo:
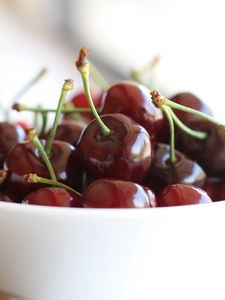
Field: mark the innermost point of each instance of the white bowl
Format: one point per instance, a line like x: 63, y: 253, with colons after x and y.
x: 175, y: 253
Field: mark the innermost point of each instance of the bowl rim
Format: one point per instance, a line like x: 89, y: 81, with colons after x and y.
x: 127, y: 213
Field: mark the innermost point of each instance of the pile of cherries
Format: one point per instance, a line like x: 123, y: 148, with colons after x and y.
x: 115, y: 150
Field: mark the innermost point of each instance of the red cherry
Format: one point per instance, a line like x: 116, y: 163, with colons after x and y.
x: 215, y: 188
x: 163, y: 172
x: 10, y: 135
x: 181, y: 194
x: 107, y: 193
x: 52, y: 197
x: 24, y: 158
x: 133, y: 99
x: 125, y: 154
x: 69, y: 131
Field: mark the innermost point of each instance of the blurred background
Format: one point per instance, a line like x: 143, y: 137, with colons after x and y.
x: 121, y: 35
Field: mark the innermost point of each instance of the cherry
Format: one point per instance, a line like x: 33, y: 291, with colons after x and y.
x: 133, y: 99
x: 125, y: 154
x: 210, y: 152
x: 50, y: 196
x: 163, y: 172
x: 181, y: 194
x: 107, y: 193
x: 25, y: 158
x: 215, y: 188
x: 69, y: 131
x: 11, y: 134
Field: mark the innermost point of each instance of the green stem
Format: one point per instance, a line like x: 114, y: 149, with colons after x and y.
x: 34, y: 138
x: 33, y: 178
x: 172, y: 135
x: 99, y: 78
x: 44, y: 123
x: 22, y: 107
x: 194, y: 133
x: 83, y: 67
x: 67, y: 86
x: 174, y: 105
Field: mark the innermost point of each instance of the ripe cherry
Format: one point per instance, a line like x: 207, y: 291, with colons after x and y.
x: 210, y: 152
x: 50, y: 196
x: 181, y: 194
x: 163, y: 172
x: 69, y: 131
x: 215, y: 188
x: 106, y: 193
x: 132, y: 99
x: 125, y: 154
x: 25, y: 158
x: 11, y: 134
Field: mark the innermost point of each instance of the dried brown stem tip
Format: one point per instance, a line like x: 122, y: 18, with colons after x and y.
x: 82, y: 59
x: 18, y: 107
x: 68, y: 85
x: 157, y: 98
x: 31, y: 178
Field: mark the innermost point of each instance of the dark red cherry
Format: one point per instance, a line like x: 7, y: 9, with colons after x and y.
x: 133, y: 99
x: 24, y: 125
x: 10, y: 135
x: 209, y: 153
x: 24, y: 158
x: 181, y: 194
x: 125, y: 154
x: 69, y: 131
x: 215, y: 188
x: 186, y: 99
x: 163, y: 172
x: 80, y: 100
x: 108, y: 193
x: 50, y: 196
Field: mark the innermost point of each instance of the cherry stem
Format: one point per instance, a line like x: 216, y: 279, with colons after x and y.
x: 34, y: 178
x: 25, y: 89
x: 67, y: 86
x: 150, y: 67
x: 196, y: 134
x: 44, y: 123
x: 32, y: 135
x: 172, y: 135
x: 3, y: 176
x: 98, y: 77
x: 160, y: 100
x: 83, y: 67
x: 22, y: 107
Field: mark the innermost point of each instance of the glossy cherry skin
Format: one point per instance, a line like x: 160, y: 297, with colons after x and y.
x: 133, y: 100
x: 50, y: 196
x: 24, y: 158
x: 181, y: 194
x: 215, y: 188
x: 126, y: 154
x: 186, y: 99
x: 80, y: 100
x: 163, y: 172
x: 109, y: 193
x: 209, y: 153
x: 69, y: 131
x: 10, y: 135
